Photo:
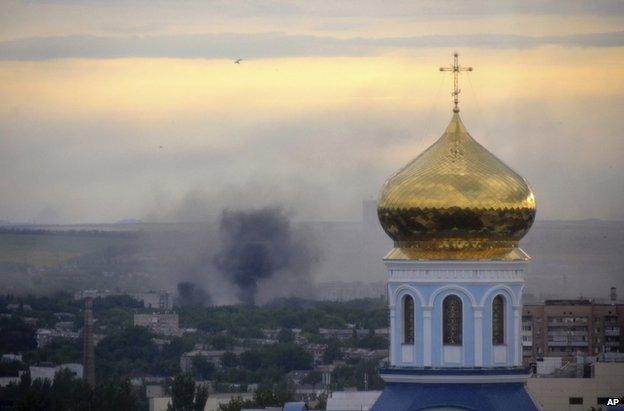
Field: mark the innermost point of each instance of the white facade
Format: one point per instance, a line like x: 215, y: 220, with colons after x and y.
x: 476, y: 284
x: 48, y: 372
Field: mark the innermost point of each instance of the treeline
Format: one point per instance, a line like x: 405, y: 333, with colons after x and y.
x: 125, y: 348
x: 20, y: 230
x: 67, y: 393
x: 248, y: 321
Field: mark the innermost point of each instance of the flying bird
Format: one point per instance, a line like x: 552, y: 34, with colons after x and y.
x: 237, y: 61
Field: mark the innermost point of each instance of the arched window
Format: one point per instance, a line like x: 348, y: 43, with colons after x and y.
x: 408, y: 320
x: 498, y: 320
x: 452, y: 320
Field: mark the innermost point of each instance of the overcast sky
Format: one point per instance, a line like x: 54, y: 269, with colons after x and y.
x: 114, y: 110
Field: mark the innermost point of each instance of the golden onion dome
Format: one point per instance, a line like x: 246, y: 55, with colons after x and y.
x: 456, y: 201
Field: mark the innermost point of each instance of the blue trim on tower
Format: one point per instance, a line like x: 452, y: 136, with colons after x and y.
x: 455, y: 371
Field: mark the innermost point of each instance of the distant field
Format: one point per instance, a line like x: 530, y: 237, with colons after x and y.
x: 45, y: 250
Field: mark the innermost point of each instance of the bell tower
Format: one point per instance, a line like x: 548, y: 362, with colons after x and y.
x: 456, y: 214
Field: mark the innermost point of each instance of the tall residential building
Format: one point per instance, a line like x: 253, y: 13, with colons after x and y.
x: 456, y: 214
x: 566, y: 328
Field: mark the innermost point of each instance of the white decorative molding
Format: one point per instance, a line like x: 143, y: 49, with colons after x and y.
x: 454, y: 379
x: 478, y: 335
x: 518, y: 333
x: 392, y: 354
x: 407, y: 353
x: 452, y: 287
x: 500, y: 354
x: 406, y: 289
x: 501, y: 287
x: 427, y: 336
x: 452, y: 354
x: 456, y: 276
x: 455, y: 265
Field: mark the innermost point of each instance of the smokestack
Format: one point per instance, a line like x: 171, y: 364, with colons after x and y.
x: 613, y: 295
x: 88, y: 352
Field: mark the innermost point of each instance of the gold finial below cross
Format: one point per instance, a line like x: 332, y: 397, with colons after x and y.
x: 456, y: 68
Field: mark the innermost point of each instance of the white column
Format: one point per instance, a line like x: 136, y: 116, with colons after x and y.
x: 478, y: 336
x: 517, y: 336
x: 427, y: 336
x: 393, y: 331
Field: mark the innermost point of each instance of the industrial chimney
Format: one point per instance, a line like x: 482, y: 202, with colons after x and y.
x: 613, y: 295
x: 88, y: 354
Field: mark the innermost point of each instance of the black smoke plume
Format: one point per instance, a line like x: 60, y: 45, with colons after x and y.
x: 190, y: 294
x: 255, y: 245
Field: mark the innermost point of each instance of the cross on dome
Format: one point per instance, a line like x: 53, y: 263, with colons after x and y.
x: 456, y: 68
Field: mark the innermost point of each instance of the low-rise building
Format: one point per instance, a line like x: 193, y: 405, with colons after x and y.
x: 10, y: 357
x: 216, y: 399
x: 64, y: 325
x: 605, y: 381
x: 160, y: 300
x: 44, y: 335
x: 159, y: 323
x: 339, y: 333
x: 18, y: 306
x: 317, y: 351
x: 5, y: 381
x: 154, y: 390
x: 212, y: 356
x: 47, y: 371
x: 159, y: 403
x: 351, y: 400
x: 81, y: 295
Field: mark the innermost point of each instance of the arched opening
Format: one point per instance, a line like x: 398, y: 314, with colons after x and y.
x: 452, y: 320
x: 498, y: 320
x: 408, y: 320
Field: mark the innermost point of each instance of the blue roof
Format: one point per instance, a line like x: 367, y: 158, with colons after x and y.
x: 295, y: 406
x: 476, y: 397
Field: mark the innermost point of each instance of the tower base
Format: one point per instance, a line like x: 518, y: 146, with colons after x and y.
x: 411, y: 389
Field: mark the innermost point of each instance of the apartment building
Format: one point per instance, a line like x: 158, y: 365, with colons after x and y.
x: 566, y: 328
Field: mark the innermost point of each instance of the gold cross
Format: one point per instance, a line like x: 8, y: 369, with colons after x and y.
x: 456, y: 68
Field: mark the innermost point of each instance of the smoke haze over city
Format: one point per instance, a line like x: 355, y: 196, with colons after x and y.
x: 137, y: 110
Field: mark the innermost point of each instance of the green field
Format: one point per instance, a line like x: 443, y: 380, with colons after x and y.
x: 45, y: 250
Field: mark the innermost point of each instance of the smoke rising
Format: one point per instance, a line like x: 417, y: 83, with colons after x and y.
x: 191, y: 294
x: 256, y: 245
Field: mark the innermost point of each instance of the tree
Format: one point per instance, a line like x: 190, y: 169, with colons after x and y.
x: 201, y: 396
x: 229, y: 359
x: 204, y: 369
x: 277, y: 396
x: 263, y: 397
x: 313, y: 378
x: 16, y: 335
x: 185, y: 396
x: 332, y: 352
x: 251, y: 360
x: 236, y: 404
x: 285, y: 336
x: 287, y: 357
x: 68, y: 393
x: 182, y: 393
x: 122, y: 352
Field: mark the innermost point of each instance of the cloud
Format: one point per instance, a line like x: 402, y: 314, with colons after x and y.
x: 272, y: 45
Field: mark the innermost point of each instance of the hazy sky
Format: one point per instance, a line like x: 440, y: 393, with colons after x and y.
x: 114, y: 110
